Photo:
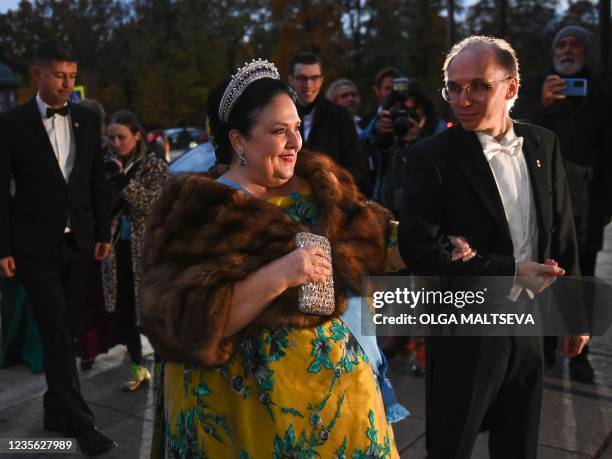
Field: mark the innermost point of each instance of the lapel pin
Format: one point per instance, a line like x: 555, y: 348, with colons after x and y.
x: 538, y: 163
x: 76, y: 125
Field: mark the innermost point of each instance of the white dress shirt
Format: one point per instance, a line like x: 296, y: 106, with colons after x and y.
x: 357, y: 121
x: 308, y: 124
x: 61, y: 136
x: 59, y: 130
x: 509, y: 167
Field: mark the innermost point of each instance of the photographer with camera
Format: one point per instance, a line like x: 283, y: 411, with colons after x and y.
x: 136, y: 176
x: 574, y: 102
x: 409, y: 116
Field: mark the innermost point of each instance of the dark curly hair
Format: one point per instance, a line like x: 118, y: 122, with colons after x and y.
x: 243, y: 114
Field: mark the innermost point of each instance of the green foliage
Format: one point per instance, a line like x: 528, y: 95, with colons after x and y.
x: 161, y: 58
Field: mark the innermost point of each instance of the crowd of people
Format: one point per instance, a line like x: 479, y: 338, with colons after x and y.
x: 99, y: 243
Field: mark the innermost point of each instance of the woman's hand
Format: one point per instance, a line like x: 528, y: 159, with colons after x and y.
x: 462, y: 251
x: 254, y: 293
x: 308, y: 264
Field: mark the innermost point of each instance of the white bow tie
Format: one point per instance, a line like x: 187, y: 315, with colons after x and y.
x: 511, y: 149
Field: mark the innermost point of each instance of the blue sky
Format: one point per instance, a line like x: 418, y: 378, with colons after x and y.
x: 8, y: 5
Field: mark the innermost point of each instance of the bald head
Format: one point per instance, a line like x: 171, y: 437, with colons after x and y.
x: 502, y: 51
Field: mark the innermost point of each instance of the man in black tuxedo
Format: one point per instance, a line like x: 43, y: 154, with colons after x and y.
x: 57, y: 218
x: 502, y: 186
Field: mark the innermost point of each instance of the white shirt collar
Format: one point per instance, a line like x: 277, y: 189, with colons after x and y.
x: 491, y: 146
x: 486, y: 139
x: 42, y: 106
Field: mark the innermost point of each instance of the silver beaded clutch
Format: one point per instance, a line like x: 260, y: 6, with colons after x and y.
x: 316, y: 297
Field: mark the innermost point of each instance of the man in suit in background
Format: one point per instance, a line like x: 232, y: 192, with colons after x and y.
x: 57, y: 219
x: 326, y: 127
x: 502, y: 186
x: 583, y: 124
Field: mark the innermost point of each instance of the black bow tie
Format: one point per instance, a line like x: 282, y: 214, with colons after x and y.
x: 58, y: 111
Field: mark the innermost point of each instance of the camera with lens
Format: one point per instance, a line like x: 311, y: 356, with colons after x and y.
x: 395, y: 104
x: 111, y: 168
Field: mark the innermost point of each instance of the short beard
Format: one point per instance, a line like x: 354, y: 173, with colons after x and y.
x: 568, y: 68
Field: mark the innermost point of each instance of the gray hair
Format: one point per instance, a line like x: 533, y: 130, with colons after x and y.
x: 503, y: 51
x: 330, y: 94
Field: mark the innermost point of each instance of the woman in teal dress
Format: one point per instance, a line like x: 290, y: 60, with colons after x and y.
x: 20, y: 340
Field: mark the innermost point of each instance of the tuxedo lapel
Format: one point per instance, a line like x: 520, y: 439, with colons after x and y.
x: 477, y: 172
x: 76, y: 123
x: 41, y: 139
x: 535, y: 157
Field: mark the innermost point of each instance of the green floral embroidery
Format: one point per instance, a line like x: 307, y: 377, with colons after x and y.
x: 292, y: 411
x: 208, y: 422
x: 338, y: 330
x: 341, y: 453
x: 375, y: 449
x: 278, y: 341
x: 301, y: 210
x: 256, y: 362
x: 321, y: 346
x: 187, y: 372
x: 305, y: 445
x: 289, y: 446
x: 185, y: 442
x: 320, y: 351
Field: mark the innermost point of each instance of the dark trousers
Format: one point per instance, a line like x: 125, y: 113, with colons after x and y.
x: 55, y: 287
x: 483, y: 383
x: 126, y: 301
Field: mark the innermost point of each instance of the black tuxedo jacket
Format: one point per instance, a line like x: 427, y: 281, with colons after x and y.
x: 452, y: 191
x: 333, y: 132
x: 33, y: 221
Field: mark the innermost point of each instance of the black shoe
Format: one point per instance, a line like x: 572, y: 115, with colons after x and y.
x: 581, y: 369
x: 94, y: 442
x: 54, y: 424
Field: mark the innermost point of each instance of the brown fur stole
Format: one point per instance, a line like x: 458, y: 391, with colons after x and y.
x: 203, y: 236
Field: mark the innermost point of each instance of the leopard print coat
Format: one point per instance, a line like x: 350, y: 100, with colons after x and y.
x: 140, y: 194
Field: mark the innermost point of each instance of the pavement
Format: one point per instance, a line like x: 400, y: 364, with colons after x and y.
x: 576, y: 418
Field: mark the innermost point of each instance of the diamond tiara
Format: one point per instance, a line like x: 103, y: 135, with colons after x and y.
x: 254, y: 70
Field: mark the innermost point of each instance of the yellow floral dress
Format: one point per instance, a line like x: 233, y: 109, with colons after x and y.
x: 285, y: 393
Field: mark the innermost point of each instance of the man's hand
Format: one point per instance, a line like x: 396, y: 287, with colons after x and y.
x: 7, y: 267
x: 551, y: 89
x: 384, y: 124
x: 573, y: 345
x: 461, y: 249
x: 102, y: 250
x: 537, y: 277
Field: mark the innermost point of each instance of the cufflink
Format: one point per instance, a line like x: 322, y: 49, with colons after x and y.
x: 538, y: 163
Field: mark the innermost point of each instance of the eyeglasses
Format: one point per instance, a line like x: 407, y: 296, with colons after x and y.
x: 476, y: 90
x: 305, y: 78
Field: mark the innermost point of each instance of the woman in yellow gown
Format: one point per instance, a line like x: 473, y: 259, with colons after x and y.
x: 248, y: 375
x: 286, y: 392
